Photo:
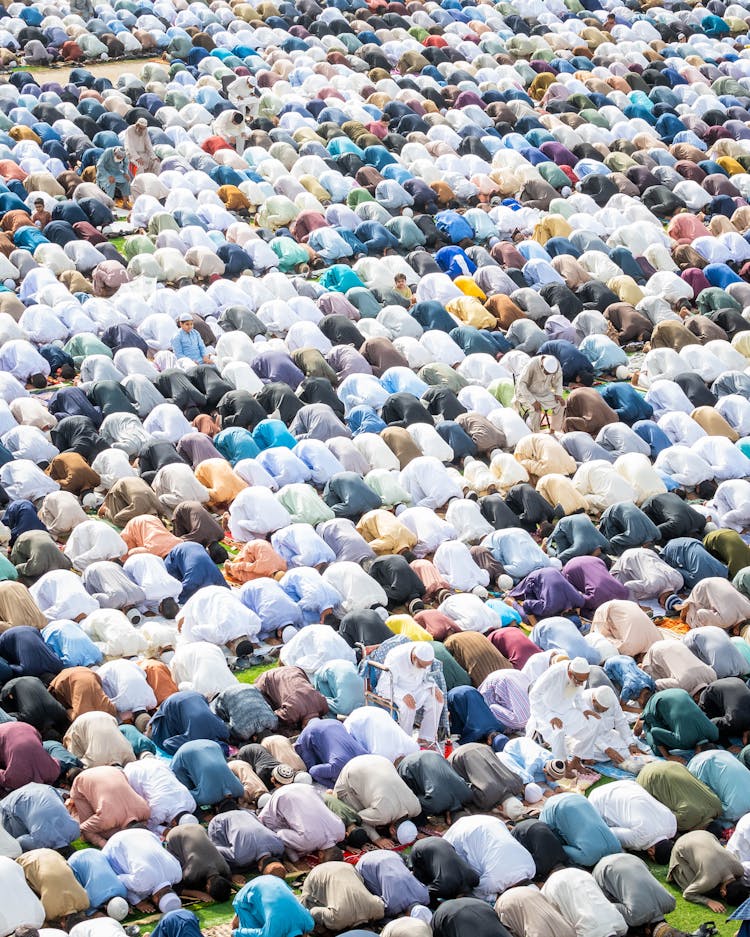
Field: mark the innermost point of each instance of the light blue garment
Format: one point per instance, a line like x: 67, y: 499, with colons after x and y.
x: 517, y: 552
x: 561, y: 634
x: 603, y: 353
x: 307, y: 589
x: 727, y: 777
x: 342, y: 686
x: 586, y: 837
x: 271, y: 604
x: 71, y: 644
x: 36, y: 816
x: 95, y: 875
x: 189, y: 345
x: 266, y: 907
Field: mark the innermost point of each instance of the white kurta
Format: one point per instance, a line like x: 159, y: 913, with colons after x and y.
x: 157, y: 785
x: 217, y: 615
x: 378, y: 733
x: 141, y: 863
x: 636, y: 818
x: 125, y: 684
x: 583, y: 904
x: 485, y: 843
x: 201, y: 667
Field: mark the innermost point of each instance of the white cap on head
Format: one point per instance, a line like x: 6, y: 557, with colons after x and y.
x: 621, y: 372
x: 302, y: 777
x: 169, y: 901
x: 550, y: 363
x: 504, y: 582
x: 185, y: 317
x: 580, y: 665
x: 603, y: 695
x: 513, y: 808
x: 406, y: 833
x: 117, y: 908
x: 263, y: 800
x: 288, y: 633
x: 532, y: 793
x: 424, y: 651
x: 421, y: 913
x: 187, y: 819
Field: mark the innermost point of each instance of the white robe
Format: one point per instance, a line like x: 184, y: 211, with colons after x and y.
x: 255, y: 513
x: 60, y: 594
x: 201, y: 667
x: 314, y: 646
x: 555, y: 696
x: 113, y: 633
x: 93, y: 541
x: 357, y: 589
x: 216, y: 615
x: 126, y: 685
x: 20, y: 905
x: 141, y: 863
x: 378, y: 733
x: 150, y: 573
x: 636, y: 818
x: 154, y: 781
x: 428, y: 483
x: 454, y: 562
x: 485, y: 843
x: 583, y: 904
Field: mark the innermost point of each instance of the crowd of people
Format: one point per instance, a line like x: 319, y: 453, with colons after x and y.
x: 402, y: 348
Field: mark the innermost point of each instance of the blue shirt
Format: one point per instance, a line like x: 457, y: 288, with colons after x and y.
x: 36, y: 816
x: 266, y: 907
x: 586, y: 837
x: 189, y: 345
x: 94, y: 873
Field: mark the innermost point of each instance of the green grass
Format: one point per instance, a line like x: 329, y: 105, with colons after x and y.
x: 252, y: 673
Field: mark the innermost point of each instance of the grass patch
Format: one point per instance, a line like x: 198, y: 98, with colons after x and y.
x: 252, y: 673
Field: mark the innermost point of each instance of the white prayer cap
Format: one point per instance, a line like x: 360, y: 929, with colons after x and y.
x: 406, y: 833
x: 288, y: 633
x: 550, y: 363
x: 622, y: 373
x: 421, y: 913
x: 504, y: 582
x: 302, y: 777
x: 513, y: 808
x: 169, y: 901
x: 532, y: 793
x: 117, y: 908
x: 424, y: 651
x: 580, y: 665
x: 603, y: 696
x: 187, y: 819
x: 263, y: 800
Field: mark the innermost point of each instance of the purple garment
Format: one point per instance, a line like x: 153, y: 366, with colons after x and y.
x: 300, y: 818
x: 196, y: 448
x: 386, y: 876
x: 272, y: 365
x: 590, y: 576
x: 325, y: 747
x: 695, y: 279
x: 546, y: 592
x: 560, y: 329
x: 346, y: 360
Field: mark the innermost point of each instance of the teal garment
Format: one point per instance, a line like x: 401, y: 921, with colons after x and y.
x: 672, y: 719
x: 740, y: 643
x: 342, y: 686
x: 266, y: 907
x: 7, y: 569
x: 340, y: 278
x: 139, y: 742
x: 727, y: 777
x: 586, y: 837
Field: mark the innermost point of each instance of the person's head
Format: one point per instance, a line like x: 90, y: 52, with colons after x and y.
x: 400, y: 279
x: 550, y: 364
x: 660, y: 852
x: 237, y: 118
x: 167, y: 900
x: 579, y: 670
x: 38, y: 381
x: 119, y: 154
x: 422, y: 655
x: 169, y: 608
x: 586, y: 378
x: 734, y: 892
x: 243, y: 648
x: 218, y: 887
x: 267, y: 865
x: 602, y: 699
x: 282, y: 775
x: 141, y: 721
x: 217, y: 552
x: 185, y: 322
x: 141, y: 125
x: 39, y: 204
x: 67, y: 372
x: 357, y: 838
x: 26, y: 930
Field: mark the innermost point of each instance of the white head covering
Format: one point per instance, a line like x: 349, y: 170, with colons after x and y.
x: 302, y: 777
x: 117, y: 908
x: 532, y: 793
x: 550, y: 363
x: 424, y: 651
x: 263, y: 800
x: 421, y: 913
x: 187, y: 819
x: 169, y: 901
x: 406, y: 833
x: 580, y: 665
x: 513, y: 808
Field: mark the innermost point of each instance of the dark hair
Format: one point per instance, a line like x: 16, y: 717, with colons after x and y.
x: 244, y: 648
x: 736, y: 892
x: 67, y: 372
x: 663, y: 851
x: 586, y: 378
x: 26, y: 930
x: 218, y: 887
x: 38, y: 381
x: 357, y: 838
x: 217, y: 553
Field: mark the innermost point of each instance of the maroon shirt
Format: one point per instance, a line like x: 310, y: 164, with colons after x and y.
x: 23, y: 759
x: 513, y: 644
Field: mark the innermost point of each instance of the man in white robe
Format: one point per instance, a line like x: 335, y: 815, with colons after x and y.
x: 201, y: 667
x: 218, y: 616
x: 313, y: 647
x: 126, y: 685
x: 153, y: 779
x: 583, y: 904
x: 639, y: 821
x: 144, y: 867
x: 409, y: 684
x: 730, y: 506
x: 539, y: 390
x: 684, y: 466
x: 356, y: 588
x: 613, y: 739
x: 559, y: 711
x: 486, y: 845
x: 93, y: 541
x: 255, y: 513
x: 428, y: 483
x: 150, y: 574
x: 377, y: 732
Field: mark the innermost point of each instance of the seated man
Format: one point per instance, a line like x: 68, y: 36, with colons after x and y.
x: 633, y: 890
x: 693, y: 804
x: 205, y: 872
x: 325, y: 747
x: 36, y: 816
x: 145, y: 868
x: 486, y: 845
x: 672, y: 721
x: 103, y: 802
x: 370, y: 785
x: 538, y: 390
x: 637, y: 819
x: 586, y: 837
x: 706, y: 872
x: 200, y: 765
x: 437, y: 865
x: 297, y: 814
x: 244, y: 842
x: 614, y: 739
x: 50, y: 876
x: 337, y: 898
x: 267, y: 905
x: 409, y: 684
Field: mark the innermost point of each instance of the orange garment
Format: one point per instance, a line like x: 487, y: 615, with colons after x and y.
x: 104, y: 803
x: 147, y: 534
x: 159, y: 679
x: 256, y: 560
x: 222, y: 483
x: 80, y: 691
